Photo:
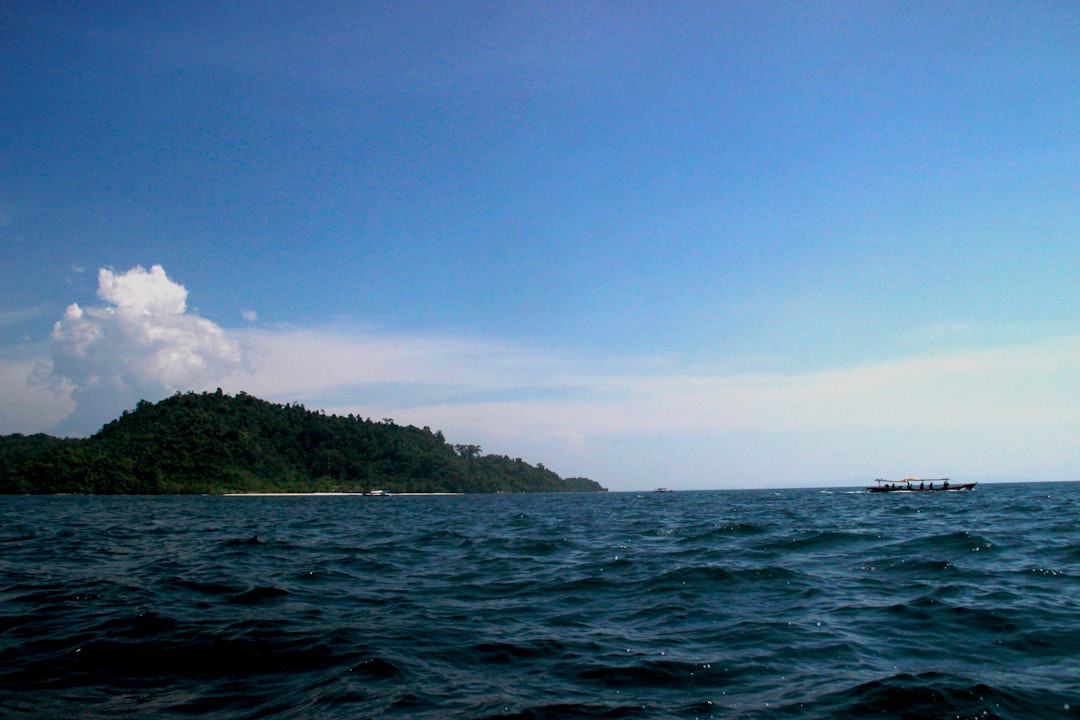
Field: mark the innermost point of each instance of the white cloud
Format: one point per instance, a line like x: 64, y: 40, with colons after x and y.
x: 140, y: 292
x: 629, y: 422
x: 31, y: 401
x: 250, y: 316
x: 143, y: 344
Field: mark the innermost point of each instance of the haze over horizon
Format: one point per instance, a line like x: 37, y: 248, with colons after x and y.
x: 695, y: 245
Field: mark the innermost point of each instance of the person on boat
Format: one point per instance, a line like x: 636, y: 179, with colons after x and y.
x: 931, y: 486
x: 922, y: 485
x: 945, y: 484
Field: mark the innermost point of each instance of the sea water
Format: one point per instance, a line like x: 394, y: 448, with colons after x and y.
x: 746, y: 604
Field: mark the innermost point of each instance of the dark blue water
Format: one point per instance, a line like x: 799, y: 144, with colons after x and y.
x: 790, y: 604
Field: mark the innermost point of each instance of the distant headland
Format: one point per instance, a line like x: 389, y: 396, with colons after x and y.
x: 214, y: 443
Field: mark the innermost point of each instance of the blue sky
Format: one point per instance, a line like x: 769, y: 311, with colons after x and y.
x: 687, y: 244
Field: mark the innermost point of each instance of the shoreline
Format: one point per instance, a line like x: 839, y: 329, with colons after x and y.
x: 334, y: 494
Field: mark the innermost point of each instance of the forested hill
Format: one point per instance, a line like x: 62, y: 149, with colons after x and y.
x: 216, y: 443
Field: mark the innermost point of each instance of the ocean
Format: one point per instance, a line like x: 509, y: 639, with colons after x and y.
x: 735, y: 604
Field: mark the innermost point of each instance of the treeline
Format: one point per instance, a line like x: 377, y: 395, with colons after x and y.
x: 216, y: 443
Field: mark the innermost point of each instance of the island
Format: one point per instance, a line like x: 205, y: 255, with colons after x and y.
x: 216, y: 443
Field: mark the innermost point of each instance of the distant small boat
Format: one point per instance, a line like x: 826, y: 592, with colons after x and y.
x: 918, y: 485
x: 663, y: 490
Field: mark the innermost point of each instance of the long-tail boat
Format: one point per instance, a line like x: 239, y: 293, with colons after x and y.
x: 919, y: 485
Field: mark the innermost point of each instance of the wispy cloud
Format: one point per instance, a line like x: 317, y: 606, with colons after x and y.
x: 628, y: 418
x: 21, y: 315
x: 972, y: 388
x: 972, y: 409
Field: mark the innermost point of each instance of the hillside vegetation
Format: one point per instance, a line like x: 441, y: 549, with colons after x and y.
x: 216, y: 443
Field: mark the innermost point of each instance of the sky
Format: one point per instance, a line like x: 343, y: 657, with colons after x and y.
x: 684, y: 244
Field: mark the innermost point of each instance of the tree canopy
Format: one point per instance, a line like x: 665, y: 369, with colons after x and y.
x: 216, y: 443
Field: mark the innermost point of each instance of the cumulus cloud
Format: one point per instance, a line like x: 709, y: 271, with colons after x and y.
x: 143, y: 293
x: 142, y: 344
